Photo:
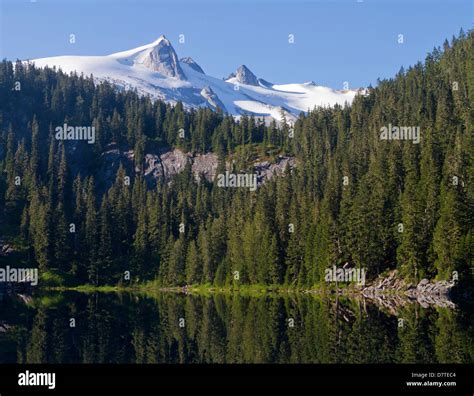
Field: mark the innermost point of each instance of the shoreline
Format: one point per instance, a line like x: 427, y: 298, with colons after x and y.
x: 382, y: 288
x: 389, y: 290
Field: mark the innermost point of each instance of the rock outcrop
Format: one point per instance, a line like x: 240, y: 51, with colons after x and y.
x: 4, y: 327
x: 167, y: 164
x: 192, y: 64
x: 5, y: 248
x: 163, y: 165
x: 265, y: 170
x: 393, y: 291
x: 211, y: 98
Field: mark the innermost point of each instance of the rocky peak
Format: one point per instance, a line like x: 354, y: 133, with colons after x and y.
x: 162, y: 165
x: 243, y: 75
x: 160, y: 56
x: 192, y: 64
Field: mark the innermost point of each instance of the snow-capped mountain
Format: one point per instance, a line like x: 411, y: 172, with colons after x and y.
x: 243, y: 76
x: 156, y: 70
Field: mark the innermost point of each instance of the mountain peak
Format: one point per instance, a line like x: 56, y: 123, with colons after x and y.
x: 159, y: 39
x: 155, y: 70
x: 192, y: 63
x: 243, y: 75
x: 160, y: 56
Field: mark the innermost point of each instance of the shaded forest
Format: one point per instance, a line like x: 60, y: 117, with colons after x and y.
x: 353, y: 197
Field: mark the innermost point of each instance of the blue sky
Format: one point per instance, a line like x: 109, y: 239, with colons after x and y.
x: 334, y: 41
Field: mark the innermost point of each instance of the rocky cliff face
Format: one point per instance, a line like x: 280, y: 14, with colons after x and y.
x: 163, y: 165
x: 169, y: 163
x: 265, y: 170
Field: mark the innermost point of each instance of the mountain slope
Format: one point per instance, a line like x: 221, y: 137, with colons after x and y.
x: 155, y: 70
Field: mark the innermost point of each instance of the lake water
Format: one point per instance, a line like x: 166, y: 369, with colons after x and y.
x: 178, y: 328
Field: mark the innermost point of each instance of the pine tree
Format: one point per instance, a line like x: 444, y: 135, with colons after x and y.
x: 140, y: 244
x: 91, y: 233
x: 193, y: 265
x: 106, y: 254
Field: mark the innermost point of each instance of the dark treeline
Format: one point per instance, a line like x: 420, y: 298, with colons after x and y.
x: 228, y: 329
x: 352, y: 197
